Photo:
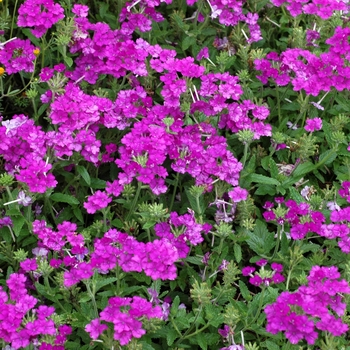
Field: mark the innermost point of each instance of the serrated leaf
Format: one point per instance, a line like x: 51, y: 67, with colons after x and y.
x: 265, y: 189
x: 84, y: 174
x: 244, y: 291
x: 262, y: 179
x: 77, y: 213
x: 69, y: 61
x: 18, y: 222
x: 238, y: 252
x: 98, y: 184
x: 265, y: 162
x: 171, y: 336
x: 148, y: 225
x: 303, y: 169
x: 175, y: 305
x: 104, y: 282
x: 295, y: 195
x: 271, y: 346
x: 261, y: 240
x: 187, y: 42
x: 327, y: 158
x: 64, y: 198
x: 197, y: 206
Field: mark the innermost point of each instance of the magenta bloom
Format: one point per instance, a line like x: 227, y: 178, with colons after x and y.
x: 313, y: 124
x: 238, y: 194
x: 97, y: 201
x: 204, y: 53
x: 39, y: 14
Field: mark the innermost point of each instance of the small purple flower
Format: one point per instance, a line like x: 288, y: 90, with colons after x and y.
x: 204, y: 53
x: 248, y: 270
x: 238, y: 194
x: 225, y: 331
x: 261, y: 262
x: 313, y: 124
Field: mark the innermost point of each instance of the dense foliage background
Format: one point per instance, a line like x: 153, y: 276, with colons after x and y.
x: 174, y: 174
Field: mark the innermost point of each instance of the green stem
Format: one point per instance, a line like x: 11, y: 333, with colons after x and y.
x: 174, y: 192
x: 278, y: 106
x: 185, y: 336
x: 92, y: 296
x: 258, y: 311
x: 13, y: 18
x: 117, y: 273
x: 175, y: 326
x: 133, y: 205
x: 245, y: 154
x: 197, y: 331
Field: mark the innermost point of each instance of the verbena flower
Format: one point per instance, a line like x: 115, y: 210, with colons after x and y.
x: 297, y: 314
x: 40, y: 14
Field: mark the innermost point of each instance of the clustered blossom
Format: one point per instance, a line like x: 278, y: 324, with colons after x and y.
x: 303, y: 220
x: 23, y: 148
x: 156, y: 259
x: 317, y: 305
x: 14, y: 326
x: 125, y: 314
x: 264, y: 276
x: 17, y: 56
x: 313, y: 124
x: 308, y: 71
x: 344, y: 191
x: 39, y: 14
x: 321, y: 8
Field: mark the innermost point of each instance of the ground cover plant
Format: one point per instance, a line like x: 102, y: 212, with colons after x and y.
x: 174, y: 174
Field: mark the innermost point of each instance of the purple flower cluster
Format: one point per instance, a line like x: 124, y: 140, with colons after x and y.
x: 230, y: 13
x: 17, y: 55
x: 125, y: 314
x: 15, y: 328
x: 264, y: 276
x: 313, y: 124
x: 321, y: 8
x: 303, y: 220
x: 23, y: 148
x: 308, y: 71
x: 40, y: 14
x: 344, y: 191
x: 316, y: 305
x: 156, y: 259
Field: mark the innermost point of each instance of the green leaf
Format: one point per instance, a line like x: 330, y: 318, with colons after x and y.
x: 262, y: 179
x: 84, y: 174
x: 261, y: 240
x: 265, y: 189
x: 295, y: 195
x: 171, y: 336
x: 175, y: 305
x: 238, y: 252
x: 148, y: 225
x: 18, y: 223
x: 197, y: 205
x: 98, y: 184
x: 303, y: 169
x: 244, y: 291
x: 104, y: 282
x: 68, y: 61
x: 187, y: 42
x: 117, y: 223
x: 64, y: 198
x: 77, y: 213
x: 327, y: 158
x: 271, y: 346
x: 42, y: 109
x: 28, y: 33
